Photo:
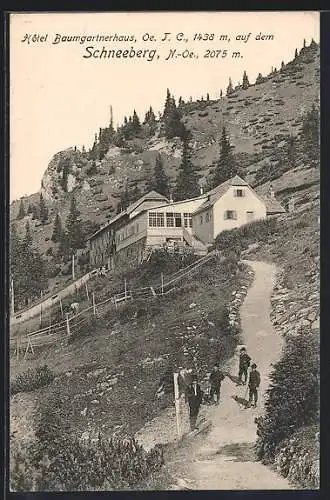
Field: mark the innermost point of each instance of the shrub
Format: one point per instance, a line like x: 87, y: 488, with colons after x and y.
x: 58, y: 461
x: 32, y: 379
x: 293, y: 396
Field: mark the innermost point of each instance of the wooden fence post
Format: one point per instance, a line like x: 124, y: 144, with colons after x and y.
x: 94, y: 306
x: 68, y: 324
x: 177, y: 406
x: 162, y: 283
x: 40, y: 315
x: 125, y: 285
x: 61, y: 306
x: 87, y: 294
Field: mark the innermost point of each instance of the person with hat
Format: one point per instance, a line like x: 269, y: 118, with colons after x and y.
x: 194, y: 396
x: 254, y: 383
x: 216, y: 377
x: 244, y: 363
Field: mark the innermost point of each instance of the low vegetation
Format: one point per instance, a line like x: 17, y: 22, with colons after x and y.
x: 57, y: 461
x: 32, y: 379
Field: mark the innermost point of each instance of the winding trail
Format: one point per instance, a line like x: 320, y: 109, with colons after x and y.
x: 224, y: 458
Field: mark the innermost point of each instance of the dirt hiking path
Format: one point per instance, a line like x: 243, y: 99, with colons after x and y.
x: 224, y: 458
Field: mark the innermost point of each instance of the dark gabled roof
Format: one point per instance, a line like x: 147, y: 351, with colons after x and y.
x: 216, y: 193
x: 152, y: 195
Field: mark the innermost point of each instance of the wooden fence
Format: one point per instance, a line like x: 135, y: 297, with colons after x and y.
x: 63, y: 330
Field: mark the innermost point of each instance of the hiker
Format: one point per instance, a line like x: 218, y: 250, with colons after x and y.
x: 194, y: 395
x: 216, y: 377
x: 254, y: 382
x: 244, y: 363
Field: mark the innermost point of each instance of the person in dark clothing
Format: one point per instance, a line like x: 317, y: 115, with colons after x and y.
x: 216, y: 377
x: 244, y: 363
x: 194, y: 396
x: 254, y: 383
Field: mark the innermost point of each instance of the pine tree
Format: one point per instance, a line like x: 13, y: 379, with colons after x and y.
x: 136, y: 125
x: 230, y: 89
x: 30, y: 209
x: 74, y: 227
x: 43, y: 210
x: 28, y: 236
x: 124, y: 200
x: 304, y: 44
x: 310, y: 136
x: 226, y: 167
x: 159, y: 181
x: 221, y: 94
x: 245, y: 84
x: 187, y: 185
x: 21, y: 210
x: 296, y: 53
x: 57, y: 231
x: 83, y: 150
x: 207, y: 96
x: 27, y: 269
x: 260, y: 79
x: 282, y: 65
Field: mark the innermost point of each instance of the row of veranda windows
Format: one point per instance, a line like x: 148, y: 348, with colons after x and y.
x: 170, y: 219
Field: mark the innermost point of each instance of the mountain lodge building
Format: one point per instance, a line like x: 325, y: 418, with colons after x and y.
x: 153, y: 221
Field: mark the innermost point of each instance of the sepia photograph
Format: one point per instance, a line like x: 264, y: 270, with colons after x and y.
x: 164, y: 261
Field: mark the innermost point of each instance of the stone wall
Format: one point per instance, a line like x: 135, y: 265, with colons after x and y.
x: 295, y: 310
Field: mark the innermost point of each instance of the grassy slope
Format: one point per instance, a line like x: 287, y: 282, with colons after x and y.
x: 119, y: 345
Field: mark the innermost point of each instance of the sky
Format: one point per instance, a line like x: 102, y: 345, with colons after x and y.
x: 59, y: 98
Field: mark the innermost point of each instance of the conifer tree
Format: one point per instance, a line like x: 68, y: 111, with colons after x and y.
x: 226, y: 166
x: 296, y: 53
x: 136, y: 125
x: 30, y: 209
x: 28, y: 235
x: 43, y: 210
x: 260, y: 79
x: 230, y: 89
x: 310, y: 136
x: 21, y: 210
x: 159, y: 181
x: 246, y: 83
x: 74, y: 228
x: 57, y: 230
x: 187, y: 185
x: 221, y: 94
x: 207, y: 96
x: 282, y: 65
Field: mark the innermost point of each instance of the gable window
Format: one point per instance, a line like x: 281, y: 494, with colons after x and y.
x: 156, y: 219
x: 230, y: 215
x: 187, y: 220
x: 239, y: 193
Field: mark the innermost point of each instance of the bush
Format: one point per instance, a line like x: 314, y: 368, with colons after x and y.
x: 32, y: 379
x: 58, y: 461
x: 293, y: 396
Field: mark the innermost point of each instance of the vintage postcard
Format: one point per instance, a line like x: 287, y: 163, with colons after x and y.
x: 164, y: 251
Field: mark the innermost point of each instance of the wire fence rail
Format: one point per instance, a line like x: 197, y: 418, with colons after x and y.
x: 63, y: 330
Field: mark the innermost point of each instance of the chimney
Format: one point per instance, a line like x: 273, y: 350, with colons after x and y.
x: 271, y: 192
x: 171, y: 198
x: 202, y: 190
